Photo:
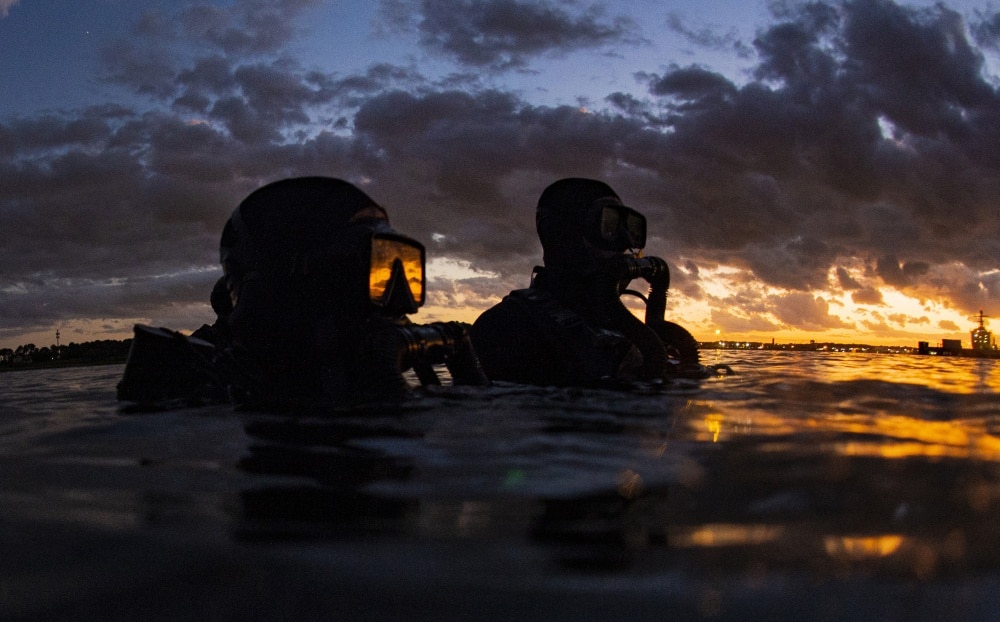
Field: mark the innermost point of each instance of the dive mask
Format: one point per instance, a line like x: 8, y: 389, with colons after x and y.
x: 396, y: 276
x: 614, y: 227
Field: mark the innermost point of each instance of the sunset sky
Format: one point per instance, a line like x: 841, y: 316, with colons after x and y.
x: 824, y: 170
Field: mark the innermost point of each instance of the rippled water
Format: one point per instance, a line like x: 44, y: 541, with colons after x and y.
x: 808, y: 486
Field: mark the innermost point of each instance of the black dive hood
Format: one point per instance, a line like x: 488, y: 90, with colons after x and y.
x: 278, y: 224
x: 569, y: 223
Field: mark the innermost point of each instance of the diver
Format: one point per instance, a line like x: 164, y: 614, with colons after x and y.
x: 312, y: 309
x: 570, y: 328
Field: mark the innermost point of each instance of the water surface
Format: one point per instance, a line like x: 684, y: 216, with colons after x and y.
x: 808, y: 486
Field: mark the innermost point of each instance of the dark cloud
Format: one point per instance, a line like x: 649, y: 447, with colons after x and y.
x: 871, y: 122
x: 164, y: 61
x: 733, y: 323
x: 867, y: 296
x: 693, y: 88
x: 117, y: 215
x: 708, y: 37
x: 806, y: 312
x: 800, y: 264
x: 457, y: 152
x: 684, y: 279
x: 925, y: 77
x: 25, y: 136
x: 506, y: 34
x: 949, y: 326
x: 899, y: 274
x: 36, y: 305
x: 987, y: 31
x: 210, y: 77
x: 248, y: 27
x: 846, y: 281
x: 149, y: 71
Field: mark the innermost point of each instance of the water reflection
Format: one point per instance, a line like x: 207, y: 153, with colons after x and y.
x: 321, y: 493
x: 949, y: 374
x: 793, y: 481
x: 862, y: 547
x: 836, y: 479
x: 880, y: 433
x: 725, y: 535
x: 402, y: 473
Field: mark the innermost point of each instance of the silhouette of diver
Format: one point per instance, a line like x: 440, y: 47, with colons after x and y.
x: 570, y: 326
x: 312, y: 309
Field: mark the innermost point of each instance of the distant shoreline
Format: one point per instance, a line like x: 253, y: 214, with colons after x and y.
x: 58, y: 364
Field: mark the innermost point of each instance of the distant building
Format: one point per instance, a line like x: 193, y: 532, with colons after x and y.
x: 951, y: 346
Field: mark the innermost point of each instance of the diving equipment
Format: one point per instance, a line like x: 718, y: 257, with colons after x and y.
x: 615, y: 227
x: 320, y: 287
x: 590, y: 243
x: 396, y: 261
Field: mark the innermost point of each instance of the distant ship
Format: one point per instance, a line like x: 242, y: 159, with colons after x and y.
x: 982, y: 339
x: 983, y: 343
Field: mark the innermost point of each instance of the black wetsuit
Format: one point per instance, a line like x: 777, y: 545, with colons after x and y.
x: 569, y: 331
x: 570, y: 327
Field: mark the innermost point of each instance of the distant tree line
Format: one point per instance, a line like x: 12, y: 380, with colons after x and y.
x: 88, y: 353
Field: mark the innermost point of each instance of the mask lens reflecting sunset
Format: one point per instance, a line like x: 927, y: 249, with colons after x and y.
x: 386, y: 252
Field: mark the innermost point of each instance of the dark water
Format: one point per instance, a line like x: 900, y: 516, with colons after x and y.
x: 810, y: 486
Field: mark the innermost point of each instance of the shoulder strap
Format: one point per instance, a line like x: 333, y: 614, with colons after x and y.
x: 549, y: 312
x: 589, y: 355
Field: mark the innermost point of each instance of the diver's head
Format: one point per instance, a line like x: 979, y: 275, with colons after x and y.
x: 582, y: 221
x: 320, y: 287
x: 325, y: 245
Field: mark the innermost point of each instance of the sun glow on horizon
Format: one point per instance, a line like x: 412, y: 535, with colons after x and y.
x: 734, y: 306
x: 726, y: 304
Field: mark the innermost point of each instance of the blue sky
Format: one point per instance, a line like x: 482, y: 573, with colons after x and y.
x: 54, y: 47
x: 820, y: 170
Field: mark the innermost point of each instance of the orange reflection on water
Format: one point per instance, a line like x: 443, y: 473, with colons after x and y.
x: 880, y: 434
x: 862, y: 547
x: 951, y: 374
x: 713, y: 423
x: 907, y: 436
x: 900, y: 450
x: 629, y: 484
x: 725, y: 534
x: 707, y: 423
